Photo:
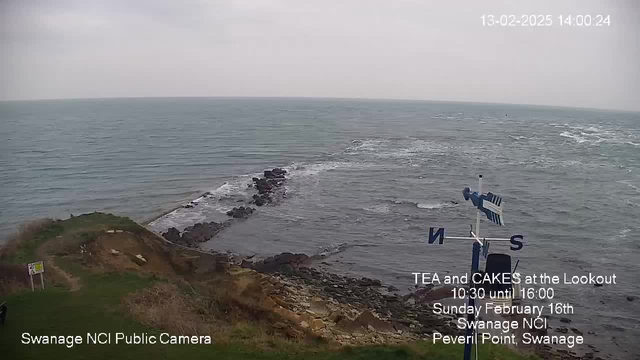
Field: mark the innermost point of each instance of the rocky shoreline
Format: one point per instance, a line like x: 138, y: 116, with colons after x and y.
x: 347, y: 310
x: 366, y: 306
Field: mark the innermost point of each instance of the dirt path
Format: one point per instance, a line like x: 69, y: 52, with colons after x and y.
x: 72, y: 281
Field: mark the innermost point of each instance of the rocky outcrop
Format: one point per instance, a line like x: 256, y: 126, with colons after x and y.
x: 269, y: 186
x: 193, y: 235
x: 283, y: 263
x: 172, y: 235
x: 276, y: 173
x: 240, y: 212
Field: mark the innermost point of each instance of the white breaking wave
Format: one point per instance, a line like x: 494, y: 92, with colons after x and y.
x: 595, y: 134
x: 575, y: 137
x: 621, y: 235
x: 296, y: 170
x: 178, y: 218
x: 204, y: 205
x: 235, y: 187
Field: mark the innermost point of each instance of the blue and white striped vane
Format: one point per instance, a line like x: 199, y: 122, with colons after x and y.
x: 488, y: 203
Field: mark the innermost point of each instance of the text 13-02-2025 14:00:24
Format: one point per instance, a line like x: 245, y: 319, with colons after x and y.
x: 510, y: 20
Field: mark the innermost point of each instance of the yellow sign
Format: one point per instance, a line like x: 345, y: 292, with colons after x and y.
x: 36, y: 268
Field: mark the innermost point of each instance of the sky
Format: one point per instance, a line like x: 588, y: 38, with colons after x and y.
x: 392, y: 49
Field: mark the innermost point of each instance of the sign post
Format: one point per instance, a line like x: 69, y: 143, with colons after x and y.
x: 34, y: 269
x: 491, y: 206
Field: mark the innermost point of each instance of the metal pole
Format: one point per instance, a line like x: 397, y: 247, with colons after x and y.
x: 475, y: 261
x: 478, y: 211
x: 471, y: 238
x: 31, y: 277
x: 42, y: 280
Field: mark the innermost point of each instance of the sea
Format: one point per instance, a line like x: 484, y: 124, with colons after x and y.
x: 366, y: 181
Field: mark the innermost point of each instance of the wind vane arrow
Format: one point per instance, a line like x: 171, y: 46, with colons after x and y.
x: 489, y: 203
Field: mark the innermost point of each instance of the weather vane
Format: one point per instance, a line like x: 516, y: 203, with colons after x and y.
x: 490, y: 205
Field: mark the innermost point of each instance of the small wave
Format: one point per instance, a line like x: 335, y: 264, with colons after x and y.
x: 366, y: 145
x: 428, y: 205
x: 178, y: 218
x: 520, y: 137
x: 380, y: 209
x: 432, y: 206
x: 331, y: 250
x: 296, y: 170
x: 337, y: 248
x: 575, y: 137
x: 417, y: 149
x: 237, y: 186
x: 629, y: 184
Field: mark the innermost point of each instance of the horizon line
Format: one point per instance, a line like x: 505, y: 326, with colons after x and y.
x: 321, y: 98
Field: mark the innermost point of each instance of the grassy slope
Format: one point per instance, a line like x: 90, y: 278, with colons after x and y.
x: 96, y: 307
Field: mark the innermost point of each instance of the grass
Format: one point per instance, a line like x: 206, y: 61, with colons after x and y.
x: 104, y: 301
x: 21, y: 248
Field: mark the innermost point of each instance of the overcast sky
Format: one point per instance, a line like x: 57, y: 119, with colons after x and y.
x: 398, y: 49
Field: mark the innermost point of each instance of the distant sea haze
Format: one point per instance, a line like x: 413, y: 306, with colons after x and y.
x: 376, y: 174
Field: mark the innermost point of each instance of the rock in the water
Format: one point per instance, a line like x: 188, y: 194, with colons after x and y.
x: 272, y: 180
x: 191, y: 236
x: 260, y: 200
x: 631, y: 298
x: 369, y: 282
x: 278, y: 171
x: 172, y: 235
x: 280, y: 263
x: 240, y: 212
